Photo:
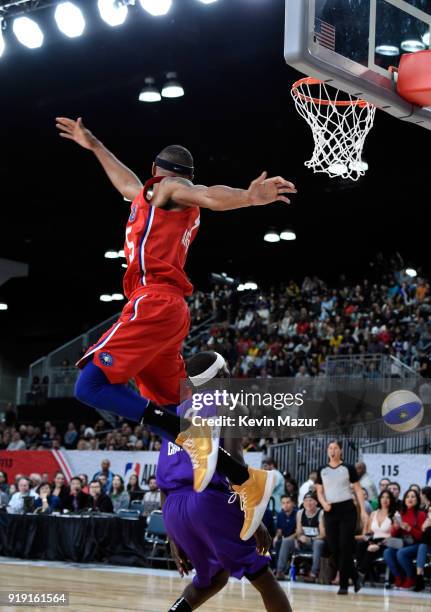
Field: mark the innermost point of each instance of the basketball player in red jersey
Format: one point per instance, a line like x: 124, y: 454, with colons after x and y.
x: 145, y: 344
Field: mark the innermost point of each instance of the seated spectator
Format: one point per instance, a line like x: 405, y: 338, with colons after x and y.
x: 309, y: 535
x: 153, y: 493
x: 395, y: 489
x: 105, y: 471
x: 119, y: 497
x: 100, y: 502
x: 35, y: 480
x: 71, y: 436
x: 379, y: 528
x: 44, y: 477
x: 383, y: 485
x: 60, y: 488
x: 84, y: 481
x: 309, y: 485
x: 4, y: 499
x: 23, y: 500
x: 408, y: 527
x: 46, y: 502
x: 425, y: 545
x: 4, y: 487
x: 77, y: 500
x: 279, y: 490
x: 103, y: 479
x: 367, y: 505
x: 286, y: 528
x: 366, y: 481
x: 134, y: 490
x: 16, y: 442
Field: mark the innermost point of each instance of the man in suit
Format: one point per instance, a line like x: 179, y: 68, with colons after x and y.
x: 77, y: 500
x: 100, y: 502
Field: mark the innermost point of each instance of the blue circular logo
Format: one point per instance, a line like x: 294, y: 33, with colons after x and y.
x: 106, y: 359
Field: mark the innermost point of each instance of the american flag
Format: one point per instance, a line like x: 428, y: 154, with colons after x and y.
x: 325, y: 34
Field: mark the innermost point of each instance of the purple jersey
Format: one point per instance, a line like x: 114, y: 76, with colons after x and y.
x: 174, y: 468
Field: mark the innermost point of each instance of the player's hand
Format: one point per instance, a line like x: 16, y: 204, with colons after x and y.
x: 263, y: 540
x: 265, y: 190
x: 76, y: 130
x: 327, y: 507
x: 183, y: 564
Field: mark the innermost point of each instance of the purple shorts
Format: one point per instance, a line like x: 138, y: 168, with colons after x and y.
x: 207, y: 528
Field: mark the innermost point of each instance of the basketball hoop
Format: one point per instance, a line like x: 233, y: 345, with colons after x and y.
x: 339, y: 126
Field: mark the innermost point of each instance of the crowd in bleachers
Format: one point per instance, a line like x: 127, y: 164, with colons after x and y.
x: 290, y: 330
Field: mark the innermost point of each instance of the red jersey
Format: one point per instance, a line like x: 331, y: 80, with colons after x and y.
x: 156, y: 246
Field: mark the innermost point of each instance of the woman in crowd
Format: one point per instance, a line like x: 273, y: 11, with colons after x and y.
x: 60, y: 488
x: 84, y: 480
x: 119, y: 497
x: 380, y: 528
x: 134, y: 490
x: 334, y: 491
x: 408, y: 528
x: 425, y: 545
x: 4, y: 487
x: 46, y: 502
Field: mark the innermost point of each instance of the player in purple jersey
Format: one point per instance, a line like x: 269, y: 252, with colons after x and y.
x: 203, y: 527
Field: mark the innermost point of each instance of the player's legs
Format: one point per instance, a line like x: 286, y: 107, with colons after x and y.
x: 192, y: 597
x: 273, y: 595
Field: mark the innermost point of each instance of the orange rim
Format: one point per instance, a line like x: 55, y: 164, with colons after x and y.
x: 318, y: 101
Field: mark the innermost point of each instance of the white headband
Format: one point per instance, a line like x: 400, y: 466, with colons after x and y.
x: 201, y: 379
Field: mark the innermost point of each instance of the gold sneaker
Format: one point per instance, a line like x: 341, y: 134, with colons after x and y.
x: 201, y: 443
x: 254, y: 497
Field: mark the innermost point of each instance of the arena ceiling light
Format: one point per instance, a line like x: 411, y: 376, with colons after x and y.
x: 288, y: 234
x: 3, y: 306
x: 150, y: 93
x: 250, y: 286
x: 113, y: 12
x: 388, y: 50
x: 172, y: 89
x: 207, y: 1
x: 111, y: 254
x: 411, y: 272
x: 117, y: 297
x: 156, y: 7
x: 28, y: 32
x: 70, y: 19
x: 271, y: 236
x: 412, y: 46
x: 105, y: 298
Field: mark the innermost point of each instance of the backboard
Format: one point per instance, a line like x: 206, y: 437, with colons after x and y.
x: 350, y: 44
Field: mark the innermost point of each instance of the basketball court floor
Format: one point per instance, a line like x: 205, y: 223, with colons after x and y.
x: 96, y: 587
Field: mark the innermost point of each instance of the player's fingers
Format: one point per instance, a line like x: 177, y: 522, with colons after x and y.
x: 80, y: 122
x: 260, y: 178
x: 63, y: 127
x: 283, y: 199
x: 63, y: 135
x: 66, y: 121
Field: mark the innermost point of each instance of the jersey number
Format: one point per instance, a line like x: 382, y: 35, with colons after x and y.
x: 130, y: 245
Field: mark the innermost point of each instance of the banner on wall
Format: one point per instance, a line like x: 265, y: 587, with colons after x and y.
x: 404, y: 469
x: 72, y: 463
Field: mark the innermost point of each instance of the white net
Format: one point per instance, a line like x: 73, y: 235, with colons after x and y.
x: 340, y: 124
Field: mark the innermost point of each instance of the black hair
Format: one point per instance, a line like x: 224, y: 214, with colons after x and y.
x: 427, y: 492
x: 392, y: 502
x: 44, y: 484
x: 5, y: 475
x: 121, y: 489
x: 129, y: 485
x: 397, y: 484
x: 418, y: 501
x: 76, y: 478
x: 177, y: 154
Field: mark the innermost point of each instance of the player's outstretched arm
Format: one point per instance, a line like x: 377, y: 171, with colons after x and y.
x: 262, y: 191
x: 123, y: 179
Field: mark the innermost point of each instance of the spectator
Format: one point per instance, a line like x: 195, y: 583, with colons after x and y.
x: 35, y: 480
x: 100, y: 502
x: 84, y: 481
x: 45, y: 477
x: 367, y: 505
x: 4, y: 499
x: 366, y: 481
x: 71, y: 436
x: 279, y: 489
x: 395, y: 489
x: 77, y: 500
x: 286, y: 527
x: 383, y: 485
x: 60, y: 489
x: 408, y: 527
x: 380, y: 527
x: 16, y: 443
x: 134, y: 490
x: 425, y: 545
x: 103, y: 479
x: 119, y: 497
x: 23, y: 500
x: 153, y: 493
x: 46, y: 502
x: 290, y: 487
x: 309, y: 485
x: 105, y: 465
x: 4, y: 487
